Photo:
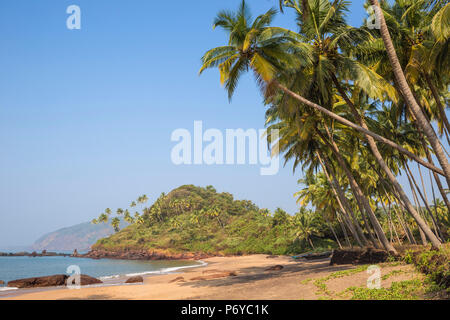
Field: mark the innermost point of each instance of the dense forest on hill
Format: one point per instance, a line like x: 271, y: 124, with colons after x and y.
x: 196, y: 219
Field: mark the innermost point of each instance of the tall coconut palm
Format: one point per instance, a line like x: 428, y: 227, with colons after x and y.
x: 267, y: 50
x: 330, y: 39
x: 407, y: 94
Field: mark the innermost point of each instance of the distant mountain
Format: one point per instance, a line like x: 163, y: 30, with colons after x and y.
x: 80, y: 237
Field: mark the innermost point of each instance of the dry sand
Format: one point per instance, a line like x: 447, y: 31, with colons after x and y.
x: 231, y: 278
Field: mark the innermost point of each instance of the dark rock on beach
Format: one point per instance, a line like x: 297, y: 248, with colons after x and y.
x: 136, y: 279
x: 358, y: 256
x: 275, y: 268
x: 50, y: 281
x: 87, y: 280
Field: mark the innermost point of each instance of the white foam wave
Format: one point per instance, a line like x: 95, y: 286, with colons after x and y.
x: 8, y: 288
x: 161, y: 271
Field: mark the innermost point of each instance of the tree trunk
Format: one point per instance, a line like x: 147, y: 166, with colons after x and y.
x: 416, y: 201
x: 435, y: 207
x: 357, y: 190
x: 373, y: 146
x: 330, y: 225
x: 344, y: 229
x: 438, y: 101
x: 311, y: 243
x: 437, y: 179
x: 407, y: 94
x: 342, y: 201
x: 437, y: 229
x: 359, y: 128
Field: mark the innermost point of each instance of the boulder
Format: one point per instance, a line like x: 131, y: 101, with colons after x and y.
x: 136, y: 279
x: 49, y: 281
x: 87, y: 280
x: 275, y: 268
x: 358, y: 256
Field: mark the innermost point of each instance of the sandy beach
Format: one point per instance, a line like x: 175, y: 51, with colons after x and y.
x: 236, y: 278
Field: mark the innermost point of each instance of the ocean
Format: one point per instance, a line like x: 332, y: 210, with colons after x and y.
x: 107, y: 270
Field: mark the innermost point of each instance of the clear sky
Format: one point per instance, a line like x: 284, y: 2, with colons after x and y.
x: 86, y: 115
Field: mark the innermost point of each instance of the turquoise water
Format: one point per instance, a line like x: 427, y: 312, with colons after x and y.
x: 12, y: 268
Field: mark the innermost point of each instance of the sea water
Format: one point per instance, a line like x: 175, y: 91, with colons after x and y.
x: 12, y: 268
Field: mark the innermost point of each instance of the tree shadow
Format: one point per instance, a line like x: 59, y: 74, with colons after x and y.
x: 305, y: 269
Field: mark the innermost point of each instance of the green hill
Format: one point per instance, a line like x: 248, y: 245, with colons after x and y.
x: 200, y: 220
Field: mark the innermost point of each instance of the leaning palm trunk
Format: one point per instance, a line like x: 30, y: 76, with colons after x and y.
x: 373, y: 146
x: 435, y: 208
x: 357, y: 190
x: 344, y: 229
x: 423, y: 196
x: 430, y: 160
x: 342, y: 201
x: 407, y: 94
x: 392, y: 220
x: 330, y: 225
x: 416, y: 202
x: 402, y: 215
x: 437, y: 99
x: 358, y: 128
x: 436, y: 177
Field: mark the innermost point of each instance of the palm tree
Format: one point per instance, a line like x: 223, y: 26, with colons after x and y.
x: 407, y: 94
x: 330, y: 39
x: 299, y: 141
x: 267, y: 50
x: 305, y: 222
x: 115, y: 222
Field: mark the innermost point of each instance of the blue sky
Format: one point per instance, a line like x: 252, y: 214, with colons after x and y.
x: 86, y: 115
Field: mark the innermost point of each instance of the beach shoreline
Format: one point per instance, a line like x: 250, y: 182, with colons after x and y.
x: 259, y: 277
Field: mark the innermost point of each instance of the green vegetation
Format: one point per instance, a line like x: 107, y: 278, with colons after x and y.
x: 402, y: 290
x: 435, y: 264
x: 195, y: 219
x: 321, y: 282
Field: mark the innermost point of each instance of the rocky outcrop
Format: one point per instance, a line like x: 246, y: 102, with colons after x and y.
x: 142, y: 255
x: 33, y: 254
x: 51, y: 281
x: 136, y: 279
x: 358, y: 256
x: 75, y: 254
